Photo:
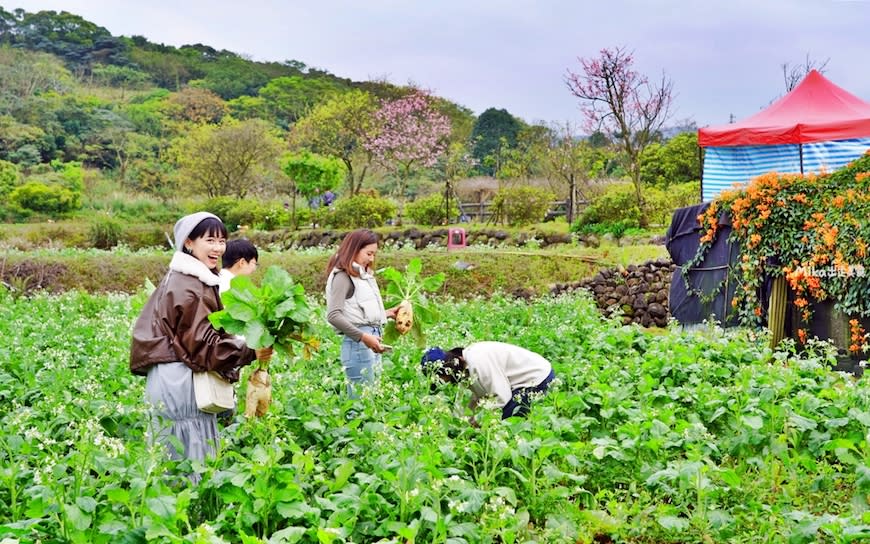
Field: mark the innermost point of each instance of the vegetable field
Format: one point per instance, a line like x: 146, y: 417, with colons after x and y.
x: 644, y: 438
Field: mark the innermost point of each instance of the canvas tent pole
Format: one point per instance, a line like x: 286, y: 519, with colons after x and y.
x: 801, y: 155
x: 701, y: 170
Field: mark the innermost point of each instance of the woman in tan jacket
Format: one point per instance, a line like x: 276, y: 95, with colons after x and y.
x: 173, y: 338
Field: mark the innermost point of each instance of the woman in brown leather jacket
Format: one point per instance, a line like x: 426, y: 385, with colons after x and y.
x: 173, y: 338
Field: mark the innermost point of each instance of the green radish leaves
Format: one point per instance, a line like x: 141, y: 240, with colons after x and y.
x: 274, y: 314
x: 412, y: 287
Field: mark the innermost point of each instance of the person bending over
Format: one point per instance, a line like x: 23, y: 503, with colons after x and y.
x: 494, y: 369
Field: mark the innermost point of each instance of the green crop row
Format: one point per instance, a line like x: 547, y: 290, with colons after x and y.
x: 674, y: 437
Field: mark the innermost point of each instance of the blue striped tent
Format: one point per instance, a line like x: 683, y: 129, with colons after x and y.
x: 817, y: 127
x: 726, y: 167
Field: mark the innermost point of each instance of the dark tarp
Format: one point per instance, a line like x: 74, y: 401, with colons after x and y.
x: 706, y: 295
x: 710, y: 289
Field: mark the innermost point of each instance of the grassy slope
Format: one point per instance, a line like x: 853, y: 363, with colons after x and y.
x: 507, y: 270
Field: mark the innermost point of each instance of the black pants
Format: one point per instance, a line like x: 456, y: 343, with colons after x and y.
x: 520, y: 402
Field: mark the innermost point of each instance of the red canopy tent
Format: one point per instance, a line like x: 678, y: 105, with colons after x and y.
x: 814, y: 111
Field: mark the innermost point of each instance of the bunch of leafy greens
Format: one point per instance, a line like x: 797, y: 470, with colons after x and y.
x: 275, y: 314
x: 411, y: 287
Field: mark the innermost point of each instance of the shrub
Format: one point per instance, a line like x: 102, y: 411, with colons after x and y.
x: 139, y: 236
x: 674, y: 162
x: 270, y: 216
x: 522, y: 205
x: 105, y: 232
x: 26, y: 155
x: 306, y: 216
x: 661, y: 203
x: 71, y: 174
x: 221, y: 206
x: 618, y: 228
x: 10, y: 212
x: 811, y: 230
x: 9, y: 177
x: 235, y: 213
x: 429, y: 210
x: 360, y: 211
x: 143, y: 210
x: 244, y: 212
x: 50, y: 199
x: 617, y: 204
x: 152, y: 177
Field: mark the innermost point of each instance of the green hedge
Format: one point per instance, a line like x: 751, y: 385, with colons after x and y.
x: 360, y: 211
x: 522, y: 205
x: 429, y: 210
x: 618, y: 205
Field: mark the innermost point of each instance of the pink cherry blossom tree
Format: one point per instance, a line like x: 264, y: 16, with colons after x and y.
x: 623, y: 104
x: 411, y: 135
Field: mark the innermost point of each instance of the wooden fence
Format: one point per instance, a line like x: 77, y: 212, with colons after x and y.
x: 481, y: 211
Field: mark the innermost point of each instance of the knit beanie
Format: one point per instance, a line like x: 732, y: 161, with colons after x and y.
x: 185, y: 225
x: 432, y: 357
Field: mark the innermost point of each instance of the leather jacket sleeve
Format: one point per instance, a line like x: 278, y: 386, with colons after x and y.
x: 174, y: 326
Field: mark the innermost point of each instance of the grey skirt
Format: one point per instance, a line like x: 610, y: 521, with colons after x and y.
x: 169, y: 390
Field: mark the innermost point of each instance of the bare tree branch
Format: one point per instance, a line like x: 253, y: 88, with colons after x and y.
x: 792, y: 75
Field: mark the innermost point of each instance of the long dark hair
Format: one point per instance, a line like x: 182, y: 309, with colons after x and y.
x: 351, y: 245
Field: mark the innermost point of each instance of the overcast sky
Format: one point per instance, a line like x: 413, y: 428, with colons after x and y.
x: 724, y: 57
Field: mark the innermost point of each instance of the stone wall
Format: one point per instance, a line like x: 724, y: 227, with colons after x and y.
x: 639, y: 292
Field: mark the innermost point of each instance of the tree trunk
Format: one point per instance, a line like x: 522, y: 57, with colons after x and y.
x: 293, y: 222
x: 357, y: 186
x: 447, y: 203
x: 349, y: 178
x: 638, y: 193
x: 572, y: 201
x: 401, y: 200
x: 400, y: 210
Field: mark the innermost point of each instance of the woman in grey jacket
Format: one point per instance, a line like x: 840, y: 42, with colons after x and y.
x: 354, y: 307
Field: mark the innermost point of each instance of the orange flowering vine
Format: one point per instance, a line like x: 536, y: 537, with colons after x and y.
x: 813, y: 230
x: 857, y: 335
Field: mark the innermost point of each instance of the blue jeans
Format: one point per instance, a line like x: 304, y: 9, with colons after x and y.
x: 520, y: 402
x: 361, y: 365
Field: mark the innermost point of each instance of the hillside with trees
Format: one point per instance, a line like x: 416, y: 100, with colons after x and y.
x: 122, y: 129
